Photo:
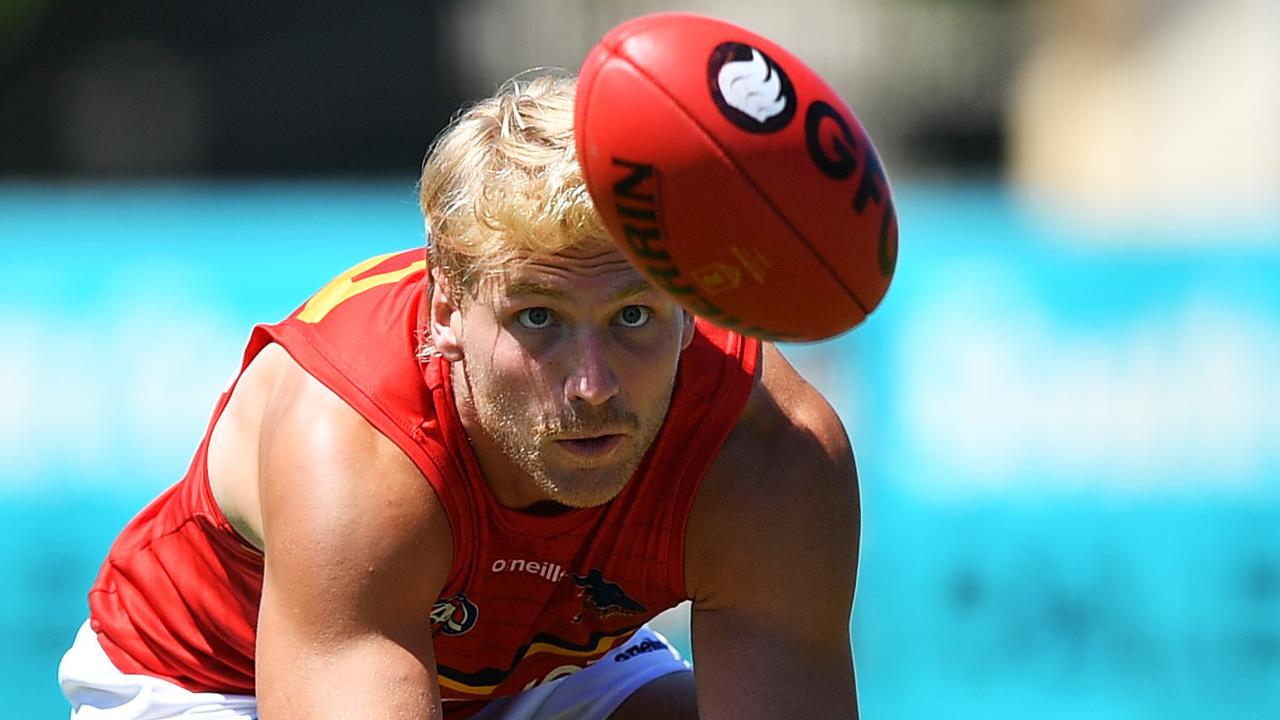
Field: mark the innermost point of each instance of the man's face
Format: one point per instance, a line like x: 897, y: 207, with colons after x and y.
x: 568, y: 363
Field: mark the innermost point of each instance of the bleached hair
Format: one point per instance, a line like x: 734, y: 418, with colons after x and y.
x: 502, y: 179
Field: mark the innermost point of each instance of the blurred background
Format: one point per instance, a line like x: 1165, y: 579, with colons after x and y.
x: 1066, y: 413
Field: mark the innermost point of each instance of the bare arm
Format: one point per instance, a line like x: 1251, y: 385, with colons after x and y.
x: 357, y: 549
x: 772, y: 560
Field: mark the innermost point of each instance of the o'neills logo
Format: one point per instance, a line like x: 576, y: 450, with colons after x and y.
x: 750, y: 89
x: 640, y: 648
x: 546, y: 570
x: 454, y: 615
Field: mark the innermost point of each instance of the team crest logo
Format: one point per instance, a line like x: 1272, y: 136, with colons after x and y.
x: 750, y: 89
x: 454, y: 615
x: 603, y: 598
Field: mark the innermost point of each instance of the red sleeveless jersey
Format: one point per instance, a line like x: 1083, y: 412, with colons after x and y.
x: 528, y: 598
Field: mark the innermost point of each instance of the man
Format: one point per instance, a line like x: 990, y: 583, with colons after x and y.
x: 461, y: 490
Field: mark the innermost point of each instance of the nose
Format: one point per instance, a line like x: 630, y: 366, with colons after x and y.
x: 592, y: 379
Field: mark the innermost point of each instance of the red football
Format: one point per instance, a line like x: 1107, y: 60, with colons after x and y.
x: 734, y: 177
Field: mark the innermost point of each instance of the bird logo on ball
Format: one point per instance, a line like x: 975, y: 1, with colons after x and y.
x: 750, y: 89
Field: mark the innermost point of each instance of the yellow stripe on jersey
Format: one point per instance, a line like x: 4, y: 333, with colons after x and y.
x: 343, y: 287
x: 603, y: 645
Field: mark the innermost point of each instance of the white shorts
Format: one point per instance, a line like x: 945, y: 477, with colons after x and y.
x: 99, y: 691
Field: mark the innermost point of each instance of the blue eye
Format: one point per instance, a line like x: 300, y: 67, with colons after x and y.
x: 534, y: 318
x: 634, y: 315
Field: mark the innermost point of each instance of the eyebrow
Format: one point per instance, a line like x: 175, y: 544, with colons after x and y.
x: 520, y: 288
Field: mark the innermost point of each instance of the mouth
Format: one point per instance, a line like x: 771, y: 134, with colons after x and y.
x: 596, y: 446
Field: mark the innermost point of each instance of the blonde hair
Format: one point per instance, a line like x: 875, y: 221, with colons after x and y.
x: 503, y: 179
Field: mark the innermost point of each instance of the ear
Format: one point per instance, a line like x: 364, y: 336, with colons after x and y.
x: 686, y: 333
x: 445, y: 318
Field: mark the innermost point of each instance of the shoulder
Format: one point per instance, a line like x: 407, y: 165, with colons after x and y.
x: 338, y: 494
x: 783, y: 408
x: 789, y: 433
x: 784, y: 478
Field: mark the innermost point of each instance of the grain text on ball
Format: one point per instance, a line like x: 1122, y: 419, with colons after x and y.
x: 635, y: 194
